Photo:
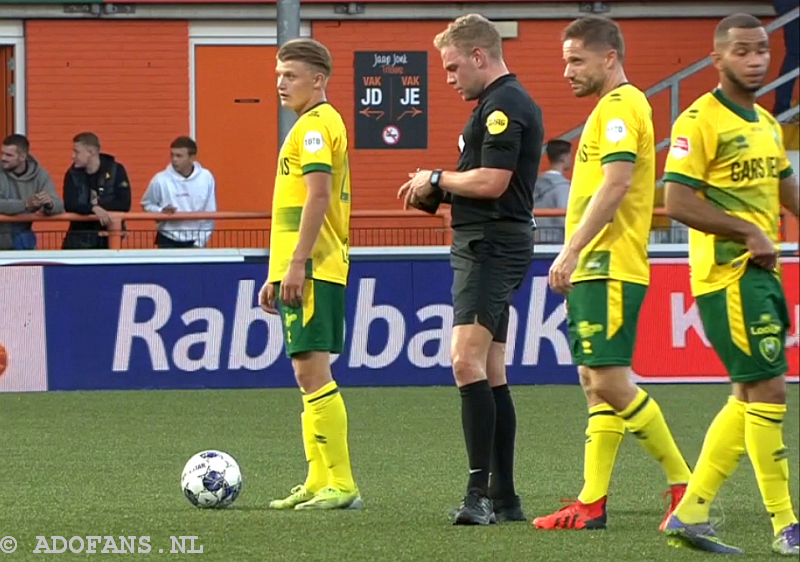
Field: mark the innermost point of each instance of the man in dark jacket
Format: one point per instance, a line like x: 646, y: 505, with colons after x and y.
x: 95, y: 184
x: 25, y: 187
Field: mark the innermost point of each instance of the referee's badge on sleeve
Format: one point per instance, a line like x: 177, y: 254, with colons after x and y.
x: 679, y: 148
x: 497, y: 122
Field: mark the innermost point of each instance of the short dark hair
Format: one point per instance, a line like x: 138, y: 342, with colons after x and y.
x: 557, y: 149
x: 87, y: 139
x: 185, y: 142
x: 596, y: 32
x: 735, y: 21
x: 309, y: 51
x: 20, y: 141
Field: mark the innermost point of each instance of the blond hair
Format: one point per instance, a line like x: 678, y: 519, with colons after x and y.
x: 470, y: 31
x: 309, y: 51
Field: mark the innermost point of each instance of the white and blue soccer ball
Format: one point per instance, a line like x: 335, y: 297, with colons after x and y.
x: 211, y: 480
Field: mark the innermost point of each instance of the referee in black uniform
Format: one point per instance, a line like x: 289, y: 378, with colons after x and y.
x: 491, y: 198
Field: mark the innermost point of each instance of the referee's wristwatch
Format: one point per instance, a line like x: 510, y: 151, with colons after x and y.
x: 436, y: 177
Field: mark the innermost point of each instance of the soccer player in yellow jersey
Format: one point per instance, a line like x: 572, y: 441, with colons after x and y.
x: 727, y: 176
x: 603, y: 268
x: 308, y: 269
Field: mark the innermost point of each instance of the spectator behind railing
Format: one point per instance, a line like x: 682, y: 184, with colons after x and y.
x: 25, y: 187
x: 95, y: 184
x: 184, y: 187
x: 552, y: 192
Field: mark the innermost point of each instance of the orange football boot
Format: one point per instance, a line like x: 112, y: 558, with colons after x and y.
x: 575, y: 516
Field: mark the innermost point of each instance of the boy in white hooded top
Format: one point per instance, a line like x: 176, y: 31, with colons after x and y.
x: 184, y: 187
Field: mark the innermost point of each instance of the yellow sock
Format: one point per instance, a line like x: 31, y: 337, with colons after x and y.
x: 328, y: 416
x: 317, y: 473
x: 723, y: 447
x: 644, y: 419
x: 763, y: 433
x: 604, y: 433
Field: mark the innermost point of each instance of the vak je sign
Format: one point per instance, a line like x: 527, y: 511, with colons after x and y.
x: 391, y: 99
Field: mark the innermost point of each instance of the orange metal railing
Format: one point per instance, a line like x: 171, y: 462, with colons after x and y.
x: 382, y: 222
x: 382, y: 227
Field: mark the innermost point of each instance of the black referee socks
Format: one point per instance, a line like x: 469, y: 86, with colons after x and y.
x: 505, y: 433
x: 478, y: 421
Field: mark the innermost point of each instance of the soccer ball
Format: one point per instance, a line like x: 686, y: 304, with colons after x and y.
x: 211, y: 480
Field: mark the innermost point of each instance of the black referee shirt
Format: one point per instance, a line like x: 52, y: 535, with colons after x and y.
x: 505, y: 131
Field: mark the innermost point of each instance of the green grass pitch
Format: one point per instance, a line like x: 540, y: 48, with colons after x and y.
x: 109, y: 463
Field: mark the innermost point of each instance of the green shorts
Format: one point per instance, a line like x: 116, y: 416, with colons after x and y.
x: 318, y: 325
x: 746, y: 323
x: 602, y: 316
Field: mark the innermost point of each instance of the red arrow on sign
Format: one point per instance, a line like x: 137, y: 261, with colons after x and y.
x: 367, y: 112
x: 413, y: 112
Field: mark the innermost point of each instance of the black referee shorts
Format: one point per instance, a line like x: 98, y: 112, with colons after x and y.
x: 489, y: 265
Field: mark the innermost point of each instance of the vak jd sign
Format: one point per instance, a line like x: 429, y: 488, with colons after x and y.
x: 391, y: 90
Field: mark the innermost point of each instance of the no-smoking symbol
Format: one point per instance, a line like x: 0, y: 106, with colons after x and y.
x: 391, y: 135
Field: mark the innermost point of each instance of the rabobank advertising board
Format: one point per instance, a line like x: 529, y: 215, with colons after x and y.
x: 185, y: 325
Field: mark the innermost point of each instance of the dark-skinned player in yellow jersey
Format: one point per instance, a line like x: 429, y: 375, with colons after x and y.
x: 727, y: 176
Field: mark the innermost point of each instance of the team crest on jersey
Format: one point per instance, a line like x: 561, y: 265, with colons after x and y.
x: 770, y: 348
x: 497, y: 122
x: 313, y: 141
x: 680, y: 148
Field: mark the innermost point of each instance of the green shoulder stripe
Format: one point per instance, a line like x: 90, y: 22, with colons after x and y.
x: 618, y: 157
x: 683, y: 179
x: 319, y: 167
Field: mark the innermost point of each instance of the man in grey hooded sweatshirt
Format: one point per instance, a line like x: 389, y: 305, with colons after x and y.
x: 25, y: 187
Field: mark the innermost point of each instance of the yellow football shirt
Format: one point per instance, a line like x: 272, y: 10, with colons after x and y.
x: 316, y: 143
x: 736, y: 160
x: 620, y: 128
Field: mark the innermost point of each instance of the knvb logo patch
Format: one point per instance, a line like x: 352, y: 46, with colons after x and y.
x: 680, y: 148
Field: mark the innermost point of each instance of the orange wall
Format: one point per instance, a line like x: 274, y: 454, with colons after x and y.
x: 129, y: 82
x: 126, y: 81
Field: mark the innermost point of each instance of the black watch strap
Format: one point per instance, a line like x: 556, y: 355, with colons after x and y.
x: 436, y: 177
